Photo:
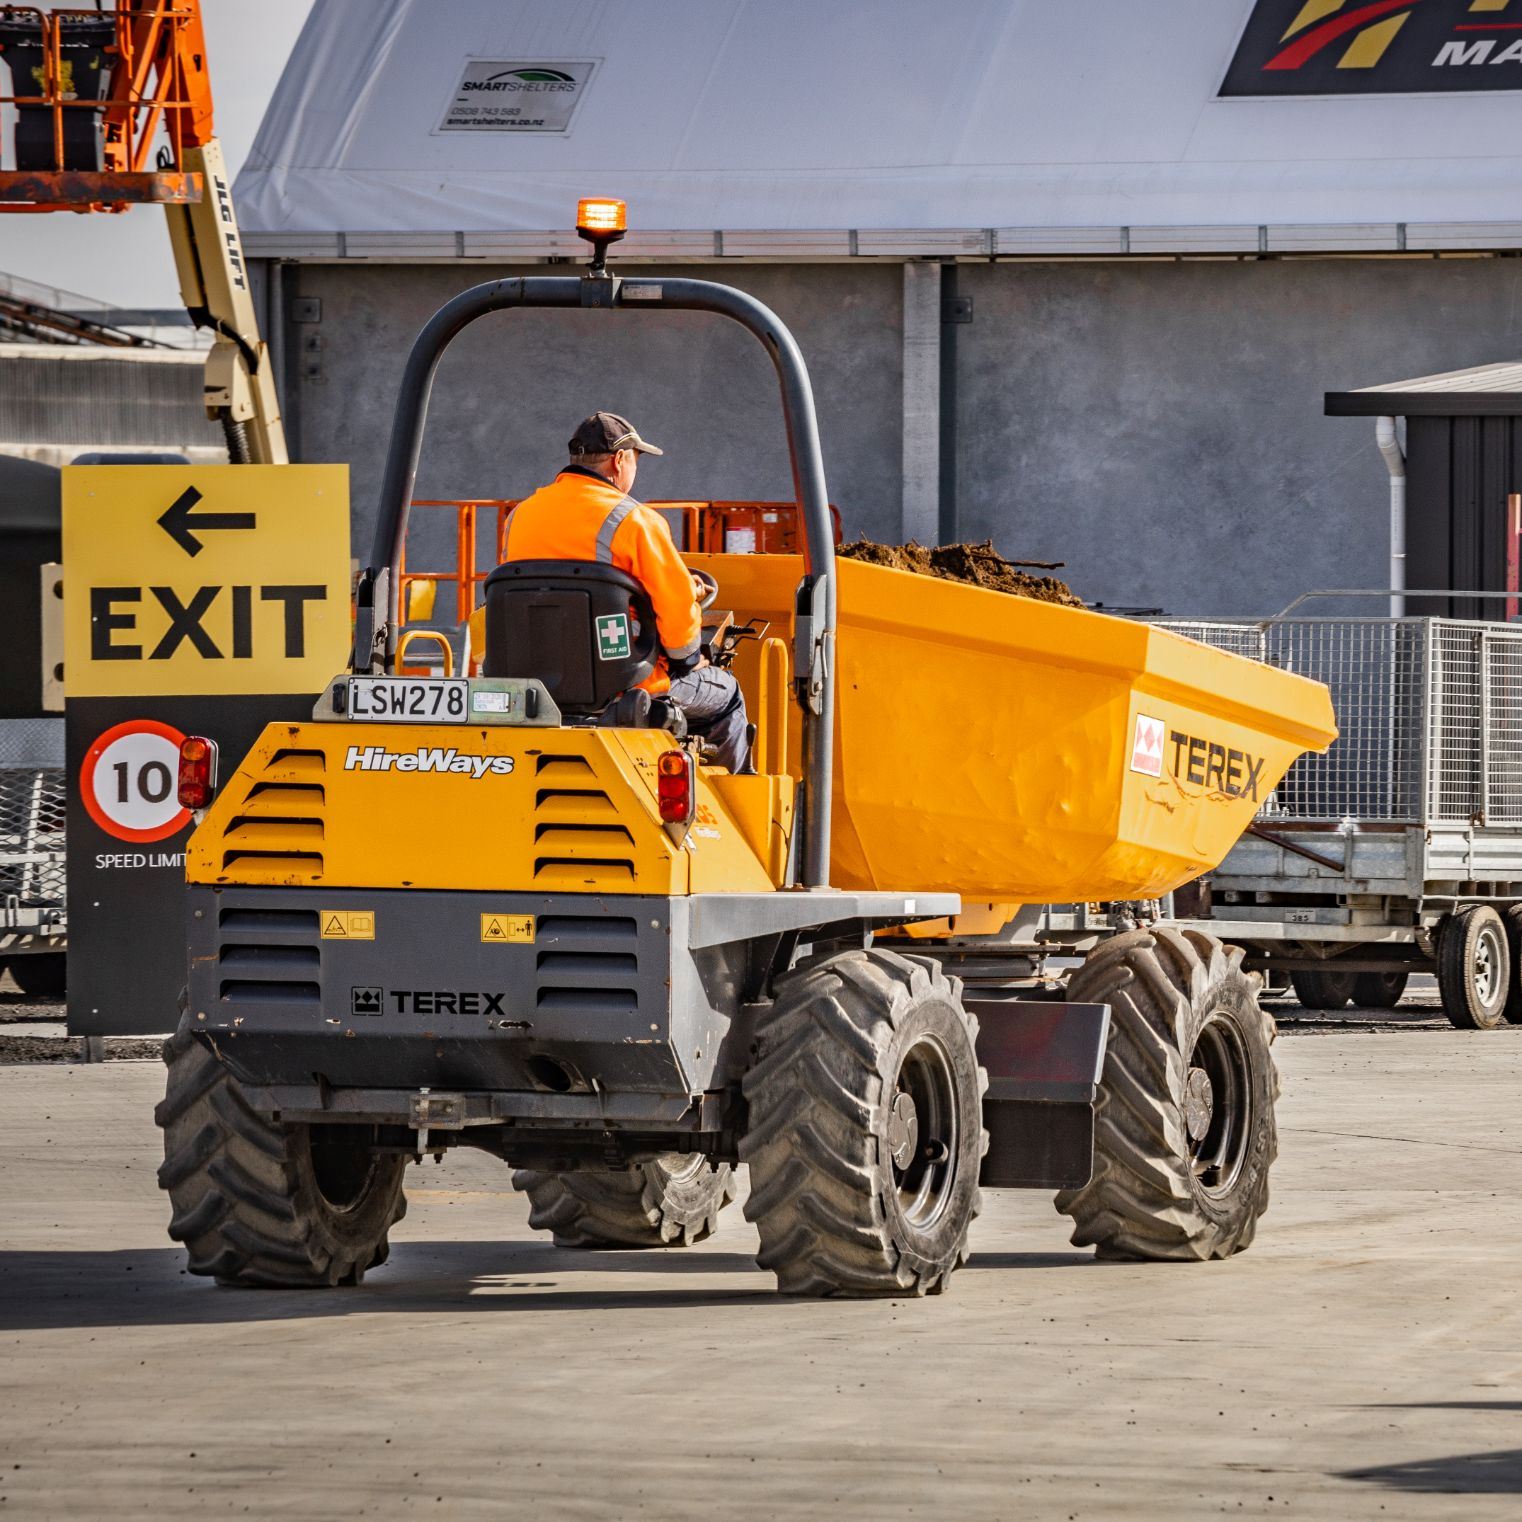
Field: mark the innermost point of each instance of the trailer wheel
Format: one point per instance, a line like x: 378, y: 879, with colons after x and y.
x: 1474, y: 968
x: 1327, y: 989
x: 1379, y: 990
x: 1184, y: 1131
x: 257, y: 1203
x: 41, y: 974
x: 1512, y: 919
x: 672, y: 1201
x: 865, y: 1128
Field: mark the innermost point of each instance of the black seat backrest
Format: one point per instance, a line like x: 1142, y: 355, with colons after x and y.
x: 585, y: 630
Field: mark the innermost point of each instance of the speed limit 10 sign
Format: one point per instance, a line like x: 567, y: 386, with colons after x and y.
x: 128, y: 781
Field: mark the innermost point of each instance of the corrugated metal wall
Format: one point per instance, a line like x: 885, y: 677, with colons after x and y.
x: 1462, y: 469
x: 90, y: 398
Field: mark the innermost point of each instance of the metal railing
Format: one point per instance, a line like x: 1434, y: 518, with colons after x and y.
x: 1429, y: 712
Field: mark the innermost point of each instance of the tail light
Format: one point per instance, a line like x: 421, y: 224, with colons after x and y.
x: 675, y: 786
x: 198, y: 772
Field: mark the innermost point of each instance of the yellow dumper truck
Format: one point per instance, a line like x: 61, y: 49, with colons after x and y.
x: 522, y: 912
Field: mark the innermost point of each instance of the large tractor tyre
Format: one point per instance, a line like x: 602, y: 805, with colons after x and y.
x: 1379, y: 990
x: 1324, y: 989
x: 256, y: 1203
x: 865, y: 1132
x: 672, y: 1201
x: 1184, y: 1132
x: 1474, y: 968
x: 41, y: 974
x: 1512, y: 918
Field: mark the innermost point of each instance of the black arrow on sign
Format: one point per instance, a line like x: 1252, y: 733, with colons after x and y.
x: 177, y: 522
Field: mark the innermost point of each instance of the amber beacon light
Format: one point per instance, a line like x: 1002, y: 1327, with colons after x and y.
x: 601, y: 221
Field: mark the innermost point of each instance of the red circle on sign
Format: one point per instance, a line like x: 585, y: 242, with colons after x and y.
x: 116, y: 815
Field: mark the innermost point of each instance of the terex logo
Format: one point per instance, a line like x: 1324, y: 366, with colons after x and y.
x: 1208, y: 764
x: 426, y: 758
x: 446, y: 1001
x: 1377, y: 47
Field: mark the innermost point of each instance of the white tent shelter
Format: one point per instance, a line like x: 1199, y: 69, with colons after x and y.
x: 829, y: 128
x: 1073, y: 274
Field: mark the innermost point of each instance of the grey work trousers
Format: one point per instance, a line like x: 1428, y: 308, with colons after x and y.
x: 715, y: 709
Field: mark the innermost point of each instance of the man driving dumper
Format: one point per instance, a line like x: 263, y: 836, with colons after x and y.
x: 586, y: 513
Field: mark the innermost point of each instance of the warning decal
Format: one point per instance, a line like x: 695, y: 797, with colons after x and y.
x: 348, y: 924
x: 507, y: 928
x: 1147, y: 750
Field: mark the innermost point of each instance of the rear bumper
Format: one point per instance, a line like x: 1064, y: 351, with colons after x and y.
x: 410, y: 988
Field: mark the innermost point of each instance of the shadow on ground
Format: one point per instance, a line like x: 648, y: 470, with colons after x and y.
x: 149, y: 1287
x: 1490, y: 1474
x: 1484, y: 1474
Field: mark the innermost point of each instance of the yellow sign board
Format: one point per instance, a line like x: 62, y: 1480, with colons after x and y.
x: 200, y: 579
x: 507, y: 928
x: 348, y: 924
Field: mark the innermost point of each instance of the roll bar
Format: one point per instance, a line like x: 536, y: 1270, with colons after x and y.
x: 378, y: 620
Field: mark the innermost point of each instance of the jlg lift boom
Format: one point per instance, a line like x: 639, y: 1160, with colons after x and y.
x: 94, y: 91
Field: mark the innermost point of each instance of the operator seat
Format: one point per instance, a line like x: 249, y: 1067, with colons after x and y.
x: 586, y: 630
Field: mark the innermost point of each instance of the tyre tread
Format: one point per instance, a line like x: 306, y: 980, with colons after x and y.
x: 231, y: 1179
x: 1139, y: 1204
x: 813, y: 1096
x: 634, y: 1207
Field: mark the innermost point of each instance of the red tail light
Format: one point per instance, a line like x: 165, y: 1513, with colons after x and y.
x: 198, y: 771
x: 675, y: 776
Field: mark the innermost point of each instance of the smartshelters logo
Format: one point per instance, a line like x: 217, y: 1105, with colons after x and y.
x: 1377, y: 47
x: 521, y: 79
x: 517, y: 95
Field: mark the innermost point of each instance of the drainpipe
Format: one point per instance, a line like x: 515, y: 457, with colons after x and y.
x: 1395, y: 462
x: 950, y: 514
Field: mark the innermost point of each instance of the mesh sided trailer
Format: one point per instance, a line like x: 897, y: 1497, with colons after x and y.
x: 1362, y: 857
x: 32, y: 800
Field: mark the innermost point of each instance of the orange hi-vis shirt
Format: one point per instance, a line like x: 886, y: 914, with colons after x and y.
x: 582, y: 516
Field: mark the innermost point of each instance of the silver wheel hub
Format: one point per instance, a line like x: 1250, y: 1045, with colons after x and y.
x: 1484, y: 970
x: 903, y: 1129
x: 1199, y: 1103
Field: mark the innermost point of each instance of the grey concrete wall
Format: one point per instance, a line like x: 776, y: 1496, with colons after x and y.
x: 1158, y: 426
x: 512, y: 388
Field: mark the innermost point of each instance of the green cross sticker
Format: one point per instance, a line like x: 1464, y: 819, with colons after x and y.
x: 613, y: 637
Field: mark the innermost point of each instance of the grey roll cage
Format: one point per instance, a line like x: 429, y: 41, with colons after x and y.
x: 378, y: 602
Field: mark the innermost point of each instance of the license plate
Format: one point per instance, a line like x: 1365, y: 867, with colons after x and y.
x: 409, y: 700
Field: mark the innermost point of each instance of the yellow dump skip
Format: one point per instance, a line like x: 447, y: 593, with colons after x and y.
x: 1003, y: 748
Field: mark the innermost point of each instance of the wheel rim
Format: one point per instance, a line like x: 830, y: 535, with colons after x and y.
x: 342, y: 1166
x: 1218, y: 1106
x: 922, y: 1133
x: 1485, y: 966
x: 679, y: 1167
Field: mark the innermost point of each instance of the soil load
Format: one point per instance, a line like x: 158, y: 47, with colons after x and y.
x: 981, y: 565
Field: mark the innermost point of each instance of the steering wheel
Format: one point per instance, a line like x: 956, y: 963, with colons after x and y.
x: 711, y: 588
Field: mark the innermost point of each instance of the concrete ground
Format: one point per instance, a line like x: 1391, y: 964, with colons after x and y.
x: 1363, y: 1360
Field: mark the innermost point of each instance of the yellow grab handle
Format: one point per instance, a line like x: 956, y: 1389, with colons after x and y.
x: 412, y: 634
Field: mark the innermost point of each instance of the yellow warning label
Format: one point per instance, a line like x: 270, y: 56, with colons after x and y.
x: 507, y: 927
x: 348, y: 924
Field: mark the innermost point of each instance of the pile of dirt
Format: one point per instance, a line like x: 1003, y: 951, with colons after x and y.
x: 980, y: 564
